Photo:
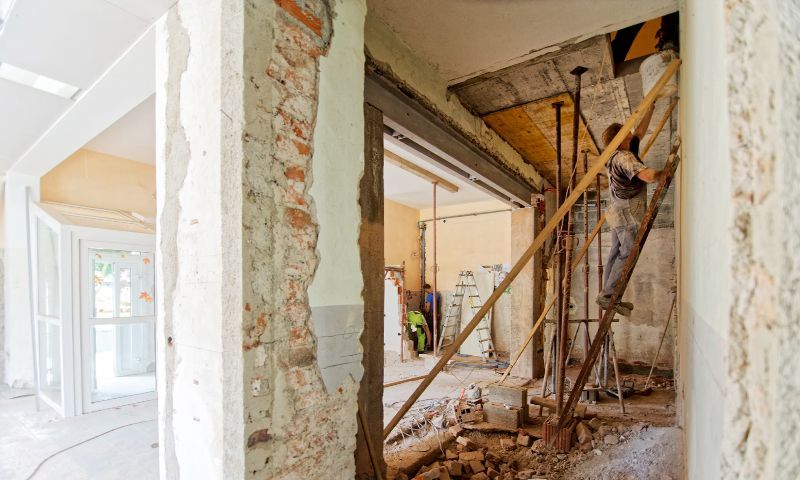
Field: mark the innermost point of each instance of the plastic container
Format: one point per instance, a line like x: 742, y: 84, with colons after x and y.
x: 653, y: 67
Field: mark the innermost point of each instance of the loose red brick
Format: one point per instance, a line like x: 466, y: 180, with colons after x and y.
x: 303, y: 15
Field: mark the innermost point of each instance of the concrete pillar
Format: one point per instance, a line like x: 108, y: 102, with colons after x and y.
x: 251, y: 106
x: 17, y: 355
x: 527, y: 294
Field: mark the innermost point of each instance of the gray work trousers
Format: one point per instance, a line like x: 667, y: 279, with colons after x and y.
x: 623, y: 217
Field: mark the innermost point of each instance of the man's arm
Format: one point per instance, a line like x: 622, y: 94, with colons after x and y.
x: 428, y: 336
x: 650, y: 175
x: 641, y: 130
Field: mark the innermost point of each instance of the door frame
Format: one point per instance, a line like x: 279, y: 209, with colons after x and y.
x: 83, y: 241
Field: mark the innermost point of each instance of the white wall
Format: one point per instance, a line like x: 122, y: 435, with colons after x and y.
x: 704, y: 194
x: 17, y: 322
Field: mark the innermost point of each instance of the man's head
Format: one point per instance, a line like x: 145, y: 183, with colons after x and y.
x: 612, y: 132
x: 427, y: 287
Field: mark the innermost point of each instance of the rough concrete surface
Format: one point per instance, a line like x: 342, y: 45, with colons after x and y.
x: 761, y: 418
x: 241, y: 391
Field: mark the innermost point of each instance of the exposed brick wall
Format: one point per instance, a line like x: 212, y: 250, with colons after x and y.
x: 293, y: 426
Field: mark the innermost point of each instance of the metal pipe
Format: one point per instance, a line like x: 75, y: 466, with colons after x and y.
x: 434, y: 312
x: 599, y: 215
x: 475, y: 214
x: 567, y: 287
x: 558, y: 258
x: 422, y: 228
x: 585, y: 261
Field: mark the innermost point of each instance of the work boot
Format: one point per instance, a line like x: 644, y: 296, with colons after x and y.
x: 620, y: 308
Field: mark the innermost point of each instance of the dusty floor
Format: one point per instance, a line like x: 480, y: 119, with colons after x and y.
x: 649, y: 445
x: 117, y: 443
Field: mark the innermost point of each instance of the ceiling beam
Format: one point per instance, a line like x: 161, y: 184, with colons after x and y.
x: 425, y: 131
x: 127, y: 83
x: 401, y: 162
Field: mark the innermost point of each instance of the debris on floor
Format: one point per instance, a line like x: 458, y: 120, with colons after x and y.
x: 627, y: 452
x: 456, y: 437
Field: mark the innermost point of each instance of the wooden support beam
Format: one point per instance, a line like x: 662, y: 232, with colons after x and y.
x: 404, y: 380
x: 537, y: 243
x: 410, y: 167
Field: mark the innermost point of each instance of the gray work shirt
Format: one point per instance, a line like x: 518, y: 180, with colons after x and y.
x: 622, y: 170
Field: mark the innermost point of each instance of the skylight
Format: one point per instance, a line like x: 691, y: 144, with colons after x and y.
x: 39, y: 82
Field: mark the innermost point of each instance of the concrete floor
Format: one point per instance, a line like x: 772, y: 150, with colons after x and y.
x: 118, y: 443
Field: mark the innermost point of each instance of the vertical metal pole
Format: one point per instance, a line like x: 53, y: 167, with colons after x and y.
x: 585, y: 262
x: 599, y: 215
x: 435, y: 274
x: 558, y: 258
x: 562, y: 348
x: 422, y: 227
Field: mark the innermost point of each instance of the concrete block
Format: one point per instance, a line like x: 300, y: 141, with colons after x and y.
x: 514, y: 396
x: 524, y: 440
x: 450, y: 455
x: 479, y: 476
x: 509, y: 417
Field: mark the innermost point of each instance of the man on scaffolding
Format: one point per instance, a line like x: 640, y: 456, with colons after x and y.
x: 627, y: 177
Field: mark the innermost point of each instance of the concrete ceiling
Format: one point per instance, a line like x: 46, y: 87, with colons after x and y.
x: 413, y: 191
x: 132, y: 136
x: 465, y: 38
x: 75, y: 42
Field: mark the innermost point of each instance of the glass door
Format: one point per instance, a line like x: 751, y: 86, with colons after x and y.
x: 52, y: 333
x: 119, y: 361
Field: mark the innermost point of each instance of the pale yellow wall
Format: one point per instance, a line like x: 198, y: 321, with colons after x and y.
x: 96, y: 179
x: 466, y: 243
x: 401, y: 240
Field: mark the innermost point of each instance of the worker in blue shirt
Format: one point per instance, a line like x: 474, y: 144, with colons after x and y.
x: 430, y: 315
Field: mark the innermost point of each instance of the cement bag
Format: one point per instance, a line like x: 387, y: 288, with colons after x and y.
x: 653, y: 67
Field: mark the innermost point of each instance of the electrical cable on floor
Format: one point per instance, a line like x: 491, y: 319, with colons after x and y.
x: 36, y: 470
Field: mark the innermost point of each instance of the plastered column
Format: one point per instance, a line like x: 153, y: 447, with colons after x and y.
x: 526, y: 294
x: 241, y: 393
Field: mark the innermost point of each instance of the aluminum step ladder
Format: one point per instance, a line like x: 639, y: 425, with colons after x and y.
x: 467, y: 288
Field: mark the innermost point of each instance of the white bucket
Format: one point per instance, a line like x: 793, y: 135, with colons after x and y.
x: 653, y: 67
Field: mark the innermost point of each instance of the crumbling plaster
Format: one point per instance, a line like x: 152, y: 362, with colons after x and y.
x: 395, y: 57
x: 763, y: 62
x: 241, y: 393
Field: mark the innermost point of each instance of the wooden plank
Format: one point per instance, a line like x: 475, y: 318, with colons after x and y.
x: 537, y: 243
x: 410, y: 167
x: 530, y: 129
x: 405, y: 380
